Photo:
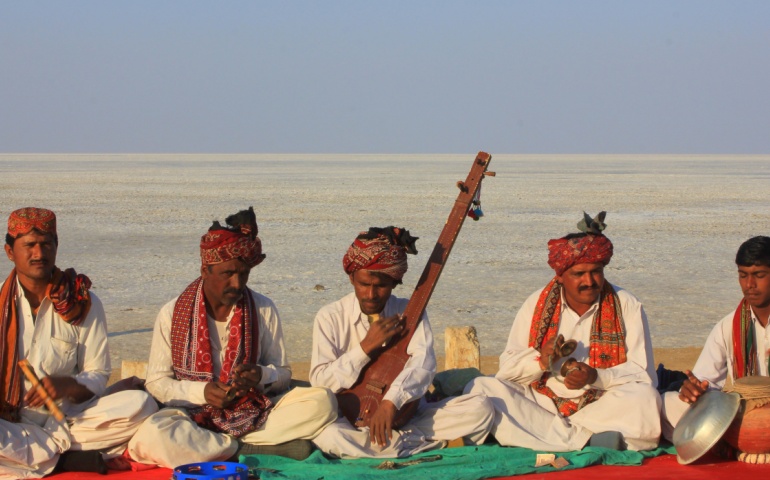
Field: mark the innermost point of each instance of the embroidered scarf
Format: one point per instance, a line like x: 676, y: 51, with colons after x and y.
x: 68, y: 292
x: 191, y: 357
x: 745, y: 360
x: 607, y: 346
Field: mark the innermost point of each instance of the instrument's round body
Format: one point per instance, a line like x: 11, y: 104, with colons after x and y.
x: 749, y: 433
x: 362, y: 400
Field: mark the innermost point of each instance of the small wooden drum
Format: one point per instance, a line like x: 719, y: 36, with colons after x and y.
x: 749, y: 432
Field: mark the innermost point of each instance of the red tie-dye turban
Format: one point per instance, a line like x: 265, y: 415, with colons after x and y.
x: 380, y: 249
x: 24, y: 220
x: 593, y: 247
x: 239, y: 240
x: 563, y: 253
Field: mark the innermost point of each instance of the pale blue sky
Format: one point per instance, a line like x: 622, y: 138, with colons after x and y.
x: 385, y: 77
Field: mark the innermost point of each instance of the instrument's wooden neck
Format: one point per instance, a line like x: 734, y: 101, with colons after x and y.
x: 430, y: 275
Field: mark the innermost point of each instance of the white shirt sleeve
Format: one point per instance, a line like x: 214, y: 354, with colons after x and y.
x: 161, y: 381
x: 712, y: 364
x: 276, y: 372
x: 519, y: 362
x: 330, y: 365
x: 417, y: 375
x: 93, y: 349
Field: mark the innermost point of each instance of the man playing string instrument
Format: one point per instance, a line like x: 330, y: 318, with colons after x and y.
x: 218, y: 363
x: 350, y: 332
x: 608, y: 384
x: 739, y: 345
x: 50, y: 318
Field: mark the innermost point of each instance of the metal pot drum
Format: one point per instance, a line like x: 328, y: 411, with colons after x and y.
x: 704, y: 424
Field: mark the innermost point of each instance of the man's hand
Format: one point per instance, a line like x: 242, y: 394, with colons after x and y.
x: 58, y: 387
x: 380, y: 333
x: 381, y: 423
x: 215, y: 394
x: 692, y: 388
x: 581, y: 375
x: 246, y: 377
x: 549, y: 354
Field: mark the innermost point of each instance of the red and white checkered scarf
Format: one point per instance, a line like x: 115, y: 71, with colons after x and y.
x: 191, y: 357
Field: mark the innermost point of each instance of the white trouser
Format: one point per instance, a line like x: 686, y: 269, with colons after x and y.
x: 171, y: 438
x: 524, y: 418
x: 673, y: 410
x: 468, y: 416
x: 31, y: 448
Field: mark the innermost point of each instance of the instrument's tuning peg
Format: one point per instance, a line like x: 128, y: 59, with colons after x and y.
x: 490, y: 174
x: 461, y: 185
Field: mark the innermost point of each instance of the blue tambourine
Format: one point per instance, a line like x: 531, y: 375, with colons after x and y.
x: 212, y: 471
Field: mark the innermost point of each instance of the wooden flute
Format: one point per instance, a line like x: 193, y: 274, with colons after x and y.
x: 49, y: 402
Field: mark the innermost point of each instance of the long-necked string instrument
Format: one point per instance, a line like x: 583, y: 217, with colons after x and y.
x: 30, y: 374
x: 361, y: 401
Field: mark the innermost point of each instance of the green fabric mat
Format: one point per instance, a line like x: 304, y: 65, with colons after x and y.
x: 465, y: 463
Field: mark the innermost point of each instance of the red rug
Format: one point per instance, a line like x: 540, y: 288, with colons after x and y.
x: 153, y: 474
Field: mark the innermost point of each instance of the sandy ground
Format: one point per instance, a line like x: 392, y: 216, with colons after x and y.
x: 672, y: 358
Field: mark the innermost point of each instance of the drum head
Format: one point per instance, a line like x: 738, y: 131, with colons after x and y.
x: 752, y: 381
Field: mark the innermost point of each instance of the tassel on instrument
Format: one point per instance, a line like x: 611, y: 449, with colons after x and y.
x: 475, y: 211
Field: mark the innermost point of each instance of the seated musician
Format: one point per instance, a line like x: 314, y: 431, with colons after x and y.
x: 218, y: 363
x: 739, y: 344
x: 607, y: 396
x: 51, y: 319
x: 349, y: 333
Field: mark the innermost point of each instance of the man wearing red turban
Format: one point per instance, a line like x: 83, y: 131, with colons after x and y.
x: 349, y: 333
x: 218, y: 362
x: 50, y: 318
x: 557, y: 395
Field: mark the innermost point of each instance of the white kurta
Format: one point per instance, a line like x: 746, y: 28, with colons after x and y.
x: 715, y: 365
x: 167, y: 389
x: 31, y: 447
x: 630, y: 404
x: 170, y: 438
x: 337, y: 361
